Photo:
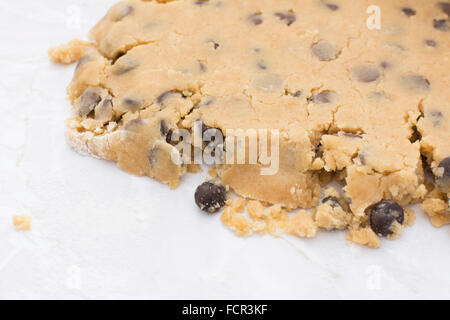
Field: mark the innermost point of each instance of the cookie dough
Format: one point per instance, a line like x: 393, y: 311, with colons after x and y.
x: 369, y: 106
x: 22, y: 222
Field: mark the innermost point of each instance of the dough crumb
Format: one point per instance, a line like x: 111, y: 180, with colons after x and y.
x: 437, y: 210
x: 302, y: 225
x: 68, y: 53
x: 364, y: 237
x: 22, y: 222
x: 272, y: 220
x: 333, y: 212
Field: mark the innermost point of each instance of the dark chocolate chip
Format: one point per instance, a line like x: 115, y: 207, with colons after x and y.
x: 84, y: 59
x: 131, y: 104
x: 332, y: 201
x: 210, y: 197
x: 201, y: 3
x: 167, y: 132
x: 377, y: 95
x: 124, y: 65
x: 297, y: 94
x: 212, y: 132
x: 124, y: 12
x: 165, y: 95
x: 436, y: 117
x: 415, y: 82
x: 152, y: 156
x: 366, y: 73
x: 352, y: 135
x: 409, y: 11
x: 287, y: 17
x: 445, y: 7
x: 443, y: 176
x: 215, y: 44
x: 202, y: 66
x: 164, y: 128
x: 89, y: 99
x: 332, y: 6
x: 323, y: 97
x: 255, y: 18
x: 441, y: 24
x: 262, y: 65
x: 383, y: 215
x: 325, y: 51
x: 431, y: 43
x: 104, y: 111
x: 362, y: 158
x: 385, y: 64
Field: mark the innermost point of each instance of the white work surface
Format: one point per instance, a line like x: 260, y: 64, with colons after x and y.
x: 98, y: 232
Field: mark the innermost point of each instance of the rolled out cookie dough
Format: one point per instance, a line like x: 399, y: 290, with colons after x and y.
x: 370, y: 107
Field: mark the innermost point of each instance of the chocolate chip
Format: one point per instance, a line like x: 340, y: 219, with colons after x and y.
x: 202, y: 66
x: 124, y: 65
x: 445, y: 7
x: 255, y: 18
x: 123, y: 12
x: 332, y: 6
x: 201, y: 3
x: 431, y: 43
x: 362, y: 158
x: 297, y: 94
x: 84, y: 59
x: 131, y: 104
x: 214, y: 44
x: 104, y: 110
x: 366, y: 73
x: 383, y: 215
x: 164, y: 96
x: 287, y: 17
x: 164, y: 128
x: 415, y: 82
x: 210, y: 197
x: 377, y: 95
x: 212, y: 132
x: 441, y: 24
x: 436, y: 116
x: 409, y: 11
x: 385, y: 65
x: 88, y: 100
x: 324, y: 97
x: 443, y: 175
x: 152, y: 156
x: 332, y: 201
x: 325, y: 51
x: 261, y: 65
x: 352, y: 135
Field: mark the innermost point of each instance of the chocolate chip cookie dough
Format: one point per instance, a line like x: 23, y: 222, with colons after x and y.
x: 367, y: 106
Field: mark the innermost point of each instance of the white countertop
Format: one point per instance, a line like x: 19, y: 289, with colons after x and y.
x: 98, y: 232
